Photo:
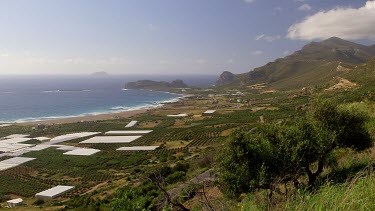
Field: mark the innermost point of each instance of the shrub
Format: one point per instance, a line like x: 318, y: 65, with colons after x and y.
x: 38, y: 202
x: 4, y: 198
x: 175, y: 177
x: 181, y: 166
x: 205, y: 161
x: 273, y: 154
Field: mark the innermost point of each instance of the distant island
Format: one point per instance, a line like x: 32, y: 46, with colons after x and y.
x: 156, y: 85
x: 100, y: 74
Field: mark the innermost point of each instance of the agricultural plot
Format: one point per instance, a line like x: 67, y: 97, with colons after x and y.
x: 62, y: 129
x: 5, y: 147
x: 39, y: 147
x: 111, y: 147
x: 16, y: 136
x: 42, y: 138
x: 178, y: 115
x: 12, y: 183
x: 15, y: 140
x: 22, y: 181
x: 5, y: 125
x: 13, y: 162
x: 18, y: 153
x: 72, y: 136
x: 120, y: 154
x: 208, y: 112
x: 82, y: 152
x: 131, y: 124
x: 67, y: 148
x: 5, y: 166
x: 53, y: 168
x: 54, y: 192
x: 110, y: 139
x: 128, y: 132
x: 138, y: 148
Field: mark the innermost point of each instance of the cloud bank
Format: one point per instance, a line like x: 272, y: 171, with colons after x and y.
x: 346, y: 23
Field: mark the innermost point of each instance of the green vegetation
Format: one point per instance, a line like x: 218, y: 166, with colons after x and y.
x: 315, y: 64
x: 280, y: 151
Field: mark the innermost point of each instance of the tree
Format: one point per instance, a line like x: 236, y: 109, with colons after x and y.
x: 273, y: 154
x: 349, y: 125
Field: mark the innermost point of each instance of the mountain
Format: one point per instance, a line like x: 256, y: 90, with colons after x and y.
x: 225, y: 78
x: 156, y: 85
x: 315, y: 63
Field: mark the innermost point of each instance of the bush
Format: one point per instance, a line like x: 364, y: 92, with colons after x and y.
x: 205, y: 161
x: 4, y: 198
x: 38, y: 202
x: 181, y: 166
x: 175, y: 177
x: 272, y: 154
x: 144, y: 197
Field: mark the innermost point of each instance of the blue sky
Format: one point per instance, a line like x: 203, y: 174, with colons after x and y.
x: 167, y: 36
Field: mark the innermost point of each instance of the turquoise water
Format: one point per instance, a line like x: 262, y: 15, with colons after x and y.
x: 42, y: 98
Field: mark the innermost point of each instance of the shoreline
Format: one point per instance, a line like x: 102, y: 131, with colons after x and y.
x: 98, y: 117
x: 101, y: 117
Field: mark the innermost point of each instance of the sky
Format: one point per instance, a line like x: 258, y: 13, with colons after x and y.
x: 169, y: 36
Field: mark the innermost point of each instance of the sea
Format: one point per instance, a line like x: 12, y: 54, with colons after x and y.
x: 32, y: 98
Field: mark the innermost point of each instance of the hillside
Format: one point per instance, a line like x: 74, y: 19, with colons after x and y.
x: 225, y: 78
x: 186, y: 164
x: 314, y: 64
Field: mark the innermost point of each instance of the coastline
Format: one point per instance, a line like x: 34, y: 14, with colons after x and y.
x: 103, y: 116
x: 99, y: 117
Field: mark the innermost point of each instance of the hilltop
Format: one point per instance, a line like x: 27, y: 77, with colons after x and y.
x: 314, y: 64
x: 225, y: 78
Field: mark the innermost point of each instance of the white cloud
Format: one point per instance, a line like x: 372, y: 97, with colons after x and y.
x: 267, y: 37
x: 249, y: 1
x: 230, y: 61
x: 305, y: 7
x: 257, y: 53
x: 346, y: 23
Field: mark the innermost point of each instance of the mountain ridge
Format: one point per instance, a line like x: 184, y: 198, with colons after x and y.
x: 315, y: 63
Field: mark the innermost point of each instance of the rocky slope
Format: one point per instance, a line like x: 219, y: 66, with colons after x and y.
x: 225, y: 78
x: 314, y: 64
